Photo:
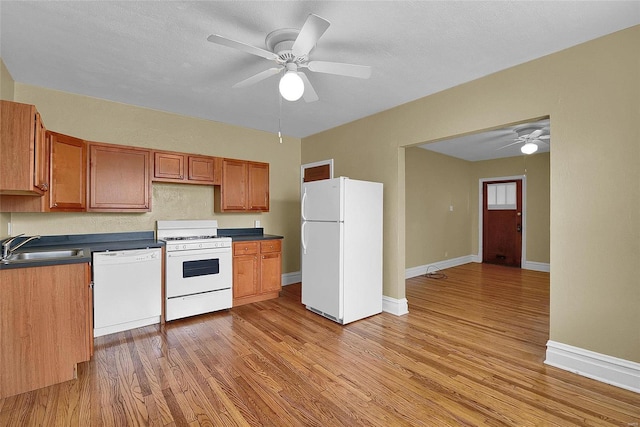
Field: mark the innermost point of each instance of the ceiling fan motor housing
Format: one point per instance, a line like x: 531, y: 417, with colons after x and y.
x: 281, y: 41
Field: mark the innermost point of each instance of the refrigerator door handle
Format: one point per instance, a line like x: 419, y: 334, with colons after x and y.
x: 304, y: 245
x: 304, y: 197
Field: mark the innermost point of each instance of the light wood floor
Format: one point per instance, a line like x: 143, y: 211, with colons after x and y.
x: 469, y: 353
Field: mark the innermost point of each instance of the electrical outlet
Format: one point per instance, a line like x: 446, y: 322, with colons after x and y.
x: 9, y: 229
x: 450, y: 208
x: 256, y: 224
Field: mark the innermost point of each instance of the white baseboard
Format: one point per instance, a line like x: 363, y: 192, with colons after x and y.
x: 399, y: 307
x: 291, y: 278
x: 600, y: 367
x: 440, y: 265
x: 537, y: 266
x: 454, y: 262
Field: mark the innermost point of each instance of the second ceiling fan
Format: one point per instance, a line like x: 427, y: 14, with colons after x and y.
x: 289, y: 48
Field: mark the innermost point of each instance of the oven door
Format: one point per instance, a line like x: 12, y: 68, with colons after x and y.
x: 195, y: 271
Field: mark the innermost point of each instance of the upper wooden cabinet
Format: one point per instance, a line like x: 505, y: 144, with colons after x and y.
x: 23, y: 146
x: 186, y: 168
x: 68, y: 167
x: 66, y: 161
x: 119, y: 178
x: 245, y: 187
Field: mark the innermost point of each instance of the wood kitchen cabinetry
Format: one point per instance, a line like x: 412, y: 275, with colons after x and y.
x: 45, y: 327
x: 245, y: 187
x: 66, y: 161
x: 186, y: 168
x: 23, y: 146
x: 119, y: 178
x: 68, y: 168
x: 257, y: 270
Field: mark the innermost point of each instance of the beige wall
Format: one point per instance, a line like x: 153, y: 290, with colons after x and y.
x: 6, y: 93
x: 6, y: 83
x: 591, y: 92
x: 104, y: 121
x: 434, y: 182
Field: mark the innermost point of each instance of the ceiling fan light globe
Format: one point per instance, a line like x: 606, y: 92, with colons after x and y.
x: 291, y: 86
x: 529, y: 148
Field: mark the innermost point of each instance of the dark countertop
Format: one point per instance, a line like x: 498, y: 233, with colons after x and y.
x: 89, y: 243
x: 246, y: 234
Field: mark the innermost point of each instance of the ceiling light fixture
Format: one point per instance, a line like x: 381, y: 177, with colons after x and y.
x: 529, y: 148
x: 291, y: 84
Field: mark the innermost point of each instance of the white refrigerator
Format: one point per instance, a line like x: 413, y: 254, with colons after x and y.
x: 342, y: 248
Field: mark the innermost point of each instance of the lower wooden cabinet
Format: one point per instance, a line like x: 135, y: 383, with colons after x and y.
x: 45, y: 327
x: 257, y: 270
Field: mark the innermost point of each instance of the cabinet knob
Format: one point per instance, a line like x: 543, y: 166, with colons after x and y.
x: 55, y: 205
x: 44, y: 186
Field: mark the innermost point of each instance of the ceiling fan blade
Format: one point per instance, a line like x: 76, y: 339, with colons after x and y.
x: 215, y: 38
x: 509, y: 145
x: 535, y: 134
x: 258, y: 77
x: 545, y: 137
x: 313, y: 28
x: 349, y: 70
x: 539, y: 141
x: 309, y: 93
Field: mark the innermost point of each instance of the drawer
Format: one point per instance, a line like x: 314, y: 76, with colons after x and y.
x: 270, y: 246
x: 245, y: 248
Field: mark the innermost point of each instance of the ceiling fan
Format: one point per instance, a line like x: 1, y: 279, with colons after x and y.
x: 289, y: 48
x: 530, y: 137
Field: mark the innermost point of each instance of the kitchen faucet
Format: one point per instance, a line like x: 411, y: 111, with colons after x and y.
x: 7, y: 250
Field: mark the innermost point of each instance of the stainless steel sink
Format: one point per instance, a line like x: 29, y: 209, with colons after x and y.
x: 45, y: 255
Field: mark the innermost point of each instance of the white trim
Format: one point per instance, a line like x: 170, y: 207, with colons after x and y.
x: 291, y: 278
x: 440, y: 265
x: 481, y: 182
x: 600, y: 367
x: 537, y: 266
x: 399, y: 307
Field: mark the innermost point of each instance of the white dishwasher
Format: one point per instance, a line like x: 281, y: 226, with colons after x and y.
x: 127, y: 290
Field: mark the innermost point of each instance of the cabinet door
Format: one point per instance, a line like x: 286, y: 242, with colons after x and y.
x: 169, y: 166
x: 234, y: 185
x: 22, y: 144
x: 44, y: 325
x: 201, y: 169
x: 68, y: 161
x: 271, y: 272
x: 245, y: 275
x: 258, y: 193
x: 119, y: 179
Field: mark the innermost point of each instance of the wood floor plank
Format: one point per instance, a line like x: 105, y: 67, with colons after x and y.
x: 469, y: 353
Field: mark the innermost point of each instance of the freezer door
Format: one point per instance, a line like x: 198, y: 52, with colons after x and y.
x: 322, y: 268
x: 322, y: 200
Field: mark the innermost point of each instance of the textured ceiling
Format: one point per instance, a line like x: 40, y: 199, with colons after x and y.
x: 492, y: 144
x: 155, y: 54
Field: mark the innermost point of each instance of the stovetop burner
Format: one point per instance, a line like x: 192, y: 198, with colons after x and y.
x: 190, y: 238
